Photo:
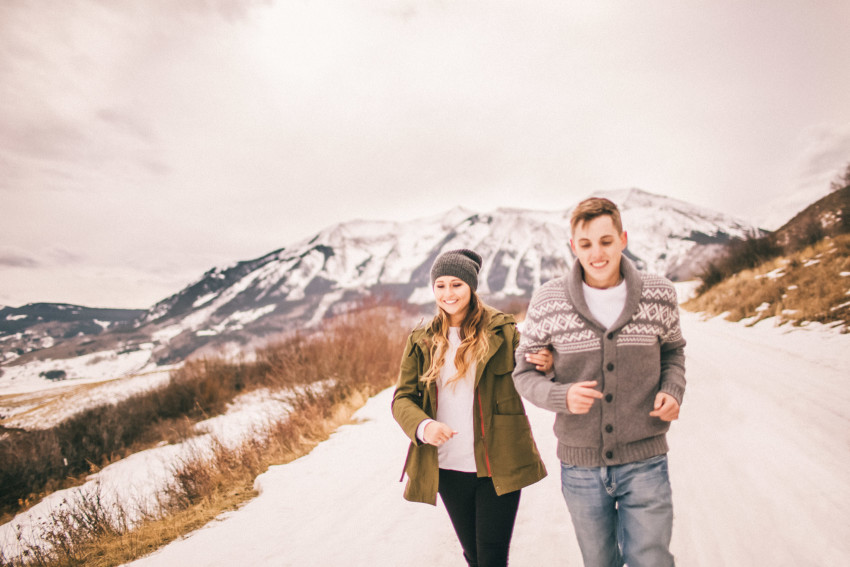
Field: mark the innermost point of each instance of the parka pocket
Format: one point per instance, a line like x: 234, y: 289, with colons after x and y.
x: 508, y: 400
x: 511, y: 404
x: 511, y: 444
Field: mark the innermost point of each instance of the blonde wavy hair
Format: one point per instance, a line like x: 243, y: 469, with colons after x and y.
x: 474, y: 343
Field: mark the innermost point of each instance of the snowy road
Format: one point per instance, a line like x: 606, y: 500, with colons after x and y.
x: 759, y: 463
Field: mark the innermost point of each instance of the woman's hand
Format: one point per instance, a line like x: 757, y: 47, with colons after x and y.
x: 542, y: 360
x: 437, y: 433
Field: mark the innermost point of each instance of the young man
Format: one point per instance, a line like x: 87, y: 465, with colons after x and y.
x: 619, y: 378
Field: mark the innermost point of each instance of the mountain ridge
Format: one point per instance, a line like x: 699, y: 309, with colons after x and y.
x: 233, y: 306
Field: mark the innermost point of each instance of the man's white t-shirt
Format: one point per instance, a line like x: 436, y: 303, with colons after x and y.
x: 606, y: 304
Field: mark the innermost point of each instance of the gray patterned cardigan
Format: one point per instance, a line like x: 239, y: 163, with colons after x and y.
x: 641, y: 354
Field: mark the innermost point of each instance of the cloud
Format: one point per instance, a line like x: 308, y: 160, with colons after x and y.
x: 52, y: 257
x: 826, y: 155
x: 13, y: 260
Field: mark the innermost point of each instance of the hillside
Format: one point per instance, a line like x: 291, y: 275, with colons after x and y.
x: 798, y: 274
x: 810, y: 285
x: 828, y: 216
x: 41, y: 325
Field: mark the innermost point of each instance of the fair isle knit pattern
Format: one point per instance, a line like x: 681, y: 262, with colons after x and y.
x: 553, y: 320
x: 641, y: 354
x: 657, y: 317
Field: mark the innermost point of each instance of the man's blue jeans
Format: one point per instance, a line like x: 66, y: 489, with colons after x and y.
x: 622, y: 513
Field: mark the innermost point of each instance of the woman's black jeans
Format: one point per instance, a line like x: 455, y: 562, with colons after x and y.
x: 483, y: 520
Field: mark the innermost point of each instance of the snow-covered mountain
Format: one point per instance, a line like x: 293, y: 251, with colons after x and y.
x: 298, y: 285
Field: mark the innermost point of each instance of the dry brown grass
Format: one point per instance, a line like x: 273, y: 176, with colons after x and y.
x: 220, y: 483
x: 804, y: 286
x: 359, y: 351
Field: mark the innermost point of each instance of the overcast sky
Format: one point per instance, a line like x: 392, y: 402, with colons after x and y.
x: 144, y: 142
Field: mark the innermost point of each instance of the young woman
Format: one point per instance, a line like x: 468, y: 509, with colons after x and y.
x: 470, y: 438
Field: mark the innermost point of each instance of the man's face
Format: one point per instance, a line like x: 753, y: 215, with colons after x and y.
x: 599, y: 248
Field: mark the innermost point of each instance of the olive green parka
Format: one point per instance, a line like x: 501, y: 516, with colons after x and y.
x: 504, y: 447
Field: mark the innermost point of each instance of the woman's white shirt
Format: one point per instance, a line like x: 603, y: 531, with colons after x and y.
x: 455, y: 404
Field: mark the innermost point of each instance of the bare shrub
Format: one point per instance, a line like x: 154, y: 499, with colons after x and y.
x: 804, y: 286
x: 66, y: 538
x: 740, y: 254
x: 358, y: 352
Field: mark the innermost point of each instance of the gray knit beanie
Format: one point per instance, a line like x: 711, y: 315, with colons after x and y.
x: 463, y: 264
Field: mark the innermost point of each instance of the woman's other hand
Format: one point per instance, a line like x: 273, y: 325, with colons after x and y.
x: 437, y: 433
x: 542, y: 360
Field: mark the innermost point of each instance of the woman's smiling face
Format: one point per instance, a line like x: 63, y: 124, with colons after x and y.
x: 452, y: 295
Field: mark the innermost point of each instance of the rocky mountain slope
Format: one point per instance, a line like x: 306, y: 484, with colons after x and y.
x: 42, y: 325
x: 825, y: 217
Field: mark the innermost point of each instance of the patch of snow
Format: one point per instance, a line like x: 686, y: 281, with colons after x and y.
x: 45, y: 407
x: 327, y: 300
x: 167, y: 333
x: 204, y: 299
x: 772, y: 275
x: 241, y: 318
x: 421, y: 296
x: 15, y: 317
x: 95, y: 367
x: 686, y: 290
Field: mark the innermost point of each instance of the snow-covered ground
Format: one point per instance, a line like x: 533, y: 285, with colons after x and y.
x: 136, y: 481
x: 43, y: 404
x: 759, y: 462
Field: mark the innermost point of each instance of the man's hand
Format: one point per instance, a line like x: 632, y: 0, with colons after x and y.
x: 437, y: 433
x: 666, y: 407
x: 581, y: 395
x: 542, y: 360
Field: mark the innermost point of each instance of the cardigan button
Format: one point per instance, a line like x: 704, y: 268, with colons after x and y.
x: 609, y: 428
x: 609, y: 455
x: 608, y: 397
x: 610, y: 366
x: 610, y: 336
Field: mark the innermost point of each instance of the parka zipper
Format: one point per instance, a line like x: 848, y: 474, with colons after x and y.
x: 483, y: 437
x: 406, y: 460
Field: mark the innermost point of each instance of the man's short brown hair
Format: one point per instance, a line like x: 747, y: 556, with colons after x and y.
x: 594, y: 207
